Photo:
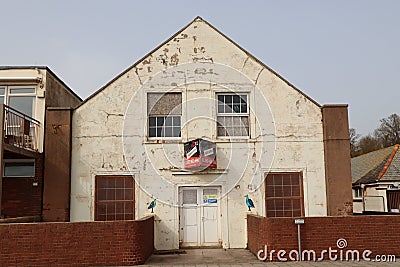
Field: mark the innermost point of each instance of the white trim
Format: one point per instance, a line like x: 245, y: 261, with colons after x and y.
x: 247, y: 114
x: 21, y: 79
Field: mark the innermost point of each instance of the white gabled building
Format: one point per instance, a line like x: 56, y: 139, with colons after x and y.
x: 273, y: 143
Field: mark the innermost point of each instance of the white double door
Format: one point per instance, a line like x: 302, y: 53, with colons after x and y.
x: 199, y: 216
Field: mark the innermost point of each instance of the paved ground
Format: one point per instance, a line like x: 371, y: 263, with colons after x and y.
x: 239, y: 257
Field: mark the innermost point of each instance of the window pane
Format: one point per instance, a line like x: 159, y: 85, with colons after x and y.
x: 22, y: 90
x: 236, y: 99
x: 152, y: 121
x: 23, y: 104
x: 158, y: 132
x: 190, y: 196
x: 168, y: 131
x: 176, y: 132
x: 2, y: 89
x: 160, y: 121
x: 221, y: 131
x: 243, y: 108
x: 177, y: 121
x: 2, y: 100
x: 221, y: 108
x: 168, y: 121
x: 114, y: 198
x: 228, y: 99
x: 152, y: 132
x: 19, y: 169
x: 283, y: 195
x: 236, y: 108
x: 243, y: 99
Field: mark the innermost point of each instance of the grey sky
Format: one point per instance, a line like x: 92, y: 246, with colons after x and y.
x: 334, y: 51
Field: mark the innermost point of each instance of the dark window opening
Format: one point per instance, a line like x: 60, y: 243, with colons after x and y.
x: 114, y: 198
x: 284, y: 195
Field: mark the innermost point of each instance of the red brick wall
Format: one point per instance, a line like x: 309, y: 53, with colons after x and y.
x: 378, y: 234
x: 117, y: 243
x: 20, y: 197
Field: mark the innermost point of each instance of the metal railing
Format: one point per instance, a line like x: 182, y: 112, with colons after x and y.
x: 20, y: 130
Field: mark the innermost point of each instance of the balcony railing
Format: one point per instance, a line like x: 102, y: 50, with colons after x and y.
x: 20, y: 130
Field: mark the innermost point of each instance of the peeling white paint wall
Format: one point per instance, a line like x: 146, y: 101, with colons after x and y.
x: 288, y: 138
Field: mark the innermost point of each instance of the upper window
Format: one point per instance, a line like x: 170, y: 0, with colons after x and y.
x: 283, y: 195
x: 19, y: 169
x: 21, y: 98
x: 164, y: 114
x: 232, y: 115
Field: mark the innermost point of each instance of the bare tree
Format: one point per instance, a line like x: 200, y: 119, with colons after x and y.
x: 354, y: 148
x: 388, y: 132
x: 368, y: 143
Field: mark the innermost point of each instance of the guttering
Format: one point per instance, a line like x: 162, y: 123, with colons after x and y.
x: 21, y: 79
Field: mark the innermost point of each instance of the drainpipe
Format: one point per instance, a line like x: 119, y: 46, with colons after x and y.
x: 227, y: 221
x: 299, y: 222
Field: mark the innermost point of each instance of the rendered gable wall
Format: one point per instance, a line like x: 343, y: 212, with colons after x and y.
x: 286, y: 135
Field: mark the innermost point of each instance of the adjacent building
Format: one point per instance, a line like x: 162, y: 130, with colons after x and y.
x: 376, y: 179
x: 197, y: 124
x: 26, y: 93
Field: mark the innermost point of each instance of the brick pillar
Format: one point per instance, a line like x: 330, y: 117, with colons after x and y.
x: 337, y: 160
x: 57, y: 162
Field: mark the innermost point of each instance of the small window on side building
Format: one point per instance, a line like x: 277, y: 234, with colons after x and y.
x: 19, y: 169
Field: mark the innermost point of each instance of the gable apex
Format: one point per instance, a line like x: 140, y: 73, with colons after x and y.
x: 198, y: 19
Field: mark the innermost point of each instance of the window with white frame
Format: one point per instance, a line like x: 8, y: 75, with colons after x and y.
x: 357, y: 192
x: 232, y: 115
x: 164, y: 115
x: 19, y: 168
x: 21, y: 98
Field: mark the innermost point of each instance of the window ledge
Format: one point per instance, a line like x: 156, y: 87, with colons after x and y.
x: 181, y: 141
x: 235, y: 140
x: 163, y: 141
x: 206, y: 171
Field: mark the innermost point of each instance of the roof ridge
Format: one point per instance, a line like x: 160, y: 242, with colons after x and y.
x: 388, y: 162
x: 374, y: 151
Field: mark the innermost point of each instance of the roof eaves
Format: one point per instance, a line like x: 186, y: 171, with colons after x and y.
x: 31, y: 67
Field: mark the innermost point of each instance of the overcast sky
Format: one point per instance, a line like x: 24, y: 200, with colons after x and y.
x: 334, y: 51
